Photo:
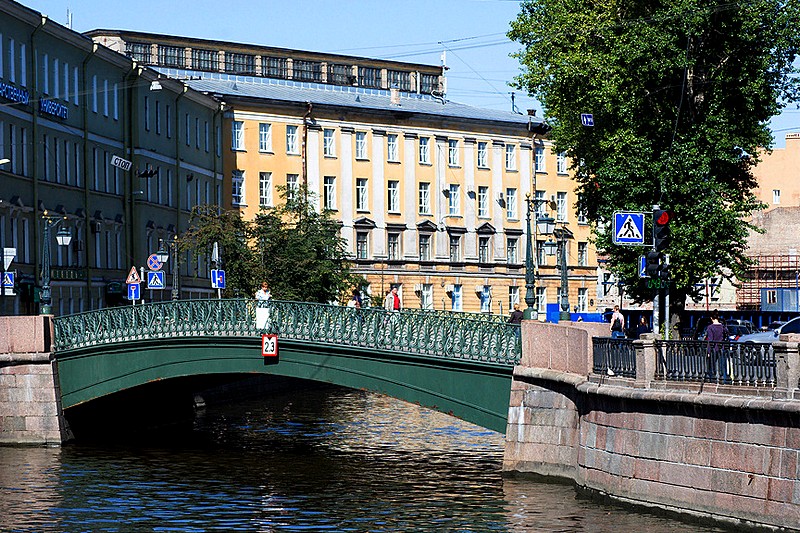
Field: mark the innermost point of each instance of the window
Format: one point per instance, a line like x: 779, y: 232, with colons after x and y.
x: 452, y: 152
x: 776, y: 196
x: 424, y: 150
x: 329, y: 148
x: 511, y: 157
x: 307, y: 70
x: 511, y: 203
x: 292, y: 146
x: 541, y: 256
x: 361, y: 145
x: 138, y: 51
x: 391, y: 148
x: 264, y: 137
x: 369, y: 77
x: 94, y: 93
x: 424, y: 198
x: 399, y: 80
x: 456, y: 299
x: 393, y: 199
x: 168, y: 120
x: 561, y: 163
x: 453, y: 200
x: 274, y: 67
x: 772, y: 296
x: 540, y: 166
x: 292, y: 184
x: 455, y: 248
x: 393, y: 246
x: 581, y: 213
x: 237, y: 187
x: 265, y: 189
x: 429, y: 83
x: 512, y: 255
x: 483, y: 155
x: 486, y: 299
x: 237, y: 135
x: 583, y: 254
x: 204, y: 59
x: 513, y: 296
x: 541, y: 204
x: 189, y: 132
x: 484, y: 250
x: 362, y: 245
x: 483, y: 201
x: 171, y: 56
x: 329, y: 192
x: 362, y: 197
x: 340, y: 74
x: 240, y: 63
x: 583, y: 301
x: 424, y: 247
x: 158, y: 117
x: 541, y: 299
x: 146, y: 113
x: 426, y: 296
x: 561, y: 206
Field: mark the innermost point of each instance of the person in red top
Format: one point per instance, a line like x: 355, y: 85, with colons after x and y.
x: 392, y: 301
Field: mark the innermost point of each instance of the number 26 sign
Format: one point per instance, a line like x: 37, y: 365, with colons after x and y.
x: 269, y: 346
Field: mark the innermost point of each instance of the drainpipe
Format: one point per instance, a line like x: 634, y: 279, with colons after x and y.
x: 128, y: 149
x: 217, y: 119
x: 177, y: 180
x: 34, y: 69
x: 306, y: 119
x: 86, y: 196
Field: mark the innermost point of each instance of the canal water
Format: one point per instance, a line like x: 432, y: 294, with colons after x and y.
x: 321, y: 460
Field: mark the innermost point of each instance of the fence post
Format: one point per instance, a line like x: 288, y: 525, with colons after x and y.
x: 645, y: 349
x: 787, y: 367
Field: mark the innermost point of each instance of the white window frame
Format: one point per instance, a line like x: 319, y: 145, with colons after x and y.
x: 424, y: 198
x: 329, y: 192
x: 561, y: 206
x: 425, y: 245
x: 393, y: 245
x: 483, y: 201
x: 583, y: 254
x: 392, y: 152
x: 237, y: 187
x: 456, y: 298
x: 512, y: 250
x: 424, y: 150
x: 362, y: 245
x: 454, y: 200
x: 292, y: 144
x: 329, y: 142
x: 264, y: 137
x: 292, y: 184
x: 362, y: 194
x: 561, y: 163
x: 539, y: 159
x: 393, y: 196
x: 237, y: 135
x: 511, y: 203
x: 426, y: 296
x: 484, y: 249
x: 541, y: 299
x: 776, y: 196
x: 511, y: 157
x: 452, y: 152
x: 483, y: 154
x: 583, y: 299
x: 265, y: 189
x: 361, y: 145
x: 455, y: 248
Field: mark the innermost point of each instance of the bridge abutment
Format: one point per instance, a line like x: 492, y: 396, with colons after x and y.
x: 30, y: 401
x: 729, y: 455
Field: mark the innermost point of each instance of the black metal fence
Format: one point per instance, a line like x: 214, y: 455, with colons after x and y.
x: 744, y: 364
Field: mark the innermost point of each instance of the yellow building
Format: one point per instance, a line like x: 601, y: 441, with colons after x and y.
x: 430, y: 194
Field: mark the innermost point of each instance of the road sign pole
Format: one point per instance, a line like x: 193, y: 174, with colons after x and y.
x: 667, y: 331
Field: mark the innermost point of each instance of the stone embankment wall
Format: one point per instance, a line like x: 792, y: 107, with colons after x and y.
x: 30, y: 411
x: 726, y: 453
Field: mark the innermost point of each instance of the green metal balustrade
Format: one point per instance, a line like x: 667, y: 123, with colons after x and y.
x: 453, y: 335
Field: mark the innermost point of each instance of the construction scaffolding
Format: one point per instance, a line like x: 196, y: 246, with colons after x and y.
x: 769, y: 272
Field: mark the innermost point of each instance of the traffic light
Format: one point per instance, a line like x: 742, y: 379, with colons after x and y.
x: 661, y: 230
x: 663, y: 271
x: 652, y: 264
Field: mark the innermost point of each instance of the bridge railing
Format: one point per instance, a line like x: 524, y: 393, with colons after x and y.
x: 743, y: 364
x: 445, y: 335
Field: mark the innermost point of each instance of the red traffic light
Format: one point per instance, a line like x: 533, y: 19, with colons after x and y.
x: 663, y: 217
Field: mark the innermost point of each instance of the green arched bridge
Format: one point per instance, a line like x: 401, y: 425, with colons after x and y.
x: 453, y: 362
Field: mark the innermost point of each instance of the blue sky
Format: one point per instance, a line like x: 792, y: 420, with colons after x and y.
x: 470, y: 32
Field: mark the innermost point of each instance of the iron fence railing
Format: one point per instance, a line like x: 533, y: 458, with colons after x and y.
x: 743, y: 364
x: 469, y: 337
x: 613, y: 357
x: 748, y: 364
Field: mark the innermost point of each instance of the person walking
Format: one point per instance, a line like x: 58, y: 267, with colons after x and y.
x: 516, y: 315
x: 716, y: 334
x: 617, y: 324
x: 642, y: 328
x: 392, y: 301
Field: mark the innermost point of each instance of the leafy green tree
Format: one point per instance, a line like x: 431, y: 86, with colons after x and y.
x: 681, y: 94
x: 209, y: 224
x: 302, y: 254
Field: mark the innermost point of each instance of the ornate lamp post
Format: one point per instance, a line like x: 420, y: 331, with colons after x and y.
x: 174, y: 247
x: 562, y: 235
x: 63, y: 237
x: 545, y: 226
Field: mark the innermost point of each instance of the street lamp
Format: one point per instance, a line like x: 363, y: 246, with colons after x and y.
x: 562, y: 234
x: 174, y: 247
x: 545, y: 226
x: 63, y: 237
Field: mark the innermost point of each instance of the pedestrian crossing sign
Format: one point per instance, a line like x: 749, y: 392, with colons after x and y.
x: 8, y: 280
x: 155, y: 280
x: 629, y: 228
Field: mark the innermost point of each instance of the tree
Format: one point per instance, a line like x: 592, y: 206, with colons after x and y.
x: 681, y: 94
x: 301, y: 251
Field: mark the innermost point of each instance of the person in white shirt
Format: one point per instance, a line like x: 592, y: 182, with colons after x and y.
x: 263, y: 295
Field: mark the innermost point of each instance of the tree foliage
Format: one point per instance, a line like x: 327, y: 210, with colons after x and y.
x: 296, y: 249
x: 681, y: 94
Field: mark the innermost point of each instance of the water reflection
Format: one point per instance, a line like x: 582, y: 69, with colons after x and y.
x: 322, y: 460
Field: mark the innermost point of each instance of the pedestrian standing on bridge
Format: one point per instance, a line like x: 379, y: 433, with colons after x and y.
x: 355, y: 300
x: 716, y: 334
x: 617, y: 324
x: 392, y: 301
x: 516, y: 315
x: 263, y: 296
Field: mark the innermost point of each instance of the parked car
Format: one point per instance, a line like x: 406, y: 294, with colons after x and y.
x: 792, y: 326
x: 773, y: 325
x: 748, y: 326
x: 735, y: 332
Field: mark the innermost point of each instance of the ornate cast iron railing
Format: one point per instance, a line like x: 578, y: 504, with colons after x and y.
x: 613, y: 357
x: 451, y: 335
x: 736, y: 363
